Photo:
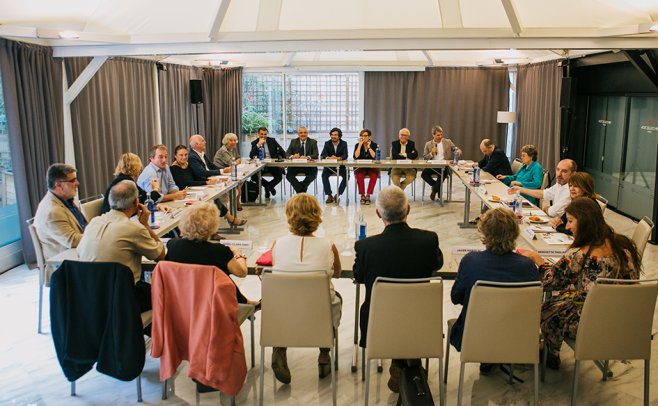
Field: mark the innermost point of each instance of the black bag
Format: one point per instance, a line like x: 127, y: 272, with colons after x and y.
x: 414, y: 389
x: 249, y: 191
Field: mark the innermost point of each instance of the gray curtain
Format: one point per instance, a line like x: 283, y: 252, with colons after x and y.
x: 32, y: 88
x: 464, y: 101
x: 538, y: 111
x: 222, y: 96
x: 178, y: 116
x: 114, y: 113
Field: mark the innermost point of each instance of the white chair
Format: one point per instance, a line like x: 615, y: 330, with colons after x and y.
x: 603, y: 203
x: 296, y: 312
x: 492, y: 336
x: 41, y: 266
x: 605, y: 330
x: 405, y: 322
x: 641, y: 234
x: 545, y: 180
x: 91, y: 206
x: 516, y: 165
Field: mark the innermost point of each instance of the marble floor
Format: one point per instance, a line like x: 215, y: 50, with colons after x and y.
x: 30, y: 374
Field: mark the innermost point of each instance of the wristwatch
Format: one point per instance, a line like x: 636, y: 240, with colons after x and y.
x: 240, y: 256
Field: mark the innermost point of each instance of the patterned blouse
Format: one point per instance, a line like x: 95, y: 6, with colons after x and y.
x: 574, y: 274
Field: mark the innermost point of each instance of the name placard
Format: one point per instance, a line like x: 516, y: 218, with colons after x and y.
x: 242, y: 244
x: 331, y: 160
x: 300, y: 160
x: 403, y: 161
x: 437, y: 161
x: 531, y: 234
x: 465, y: 249
x: 267, y: 160
x: 364, y: 161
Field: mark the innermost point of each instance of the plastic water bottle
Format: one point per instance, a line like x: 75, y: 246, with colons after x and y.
x: 455, y: 158
x: 518, y: 205
x: 361, y: 226
x: 150, y: 204
x: 234, y: 170
x: 476, y: 175
x: 378, y: 155
x: 261, y: 154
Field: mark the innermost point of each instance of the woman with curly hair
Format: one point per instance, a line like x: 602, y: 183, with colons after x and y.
x: 128, y: 168
x: 302, y: 251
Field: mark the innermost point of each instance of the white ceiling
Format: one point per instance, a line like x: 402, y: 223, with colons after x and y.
x: 337, y: 34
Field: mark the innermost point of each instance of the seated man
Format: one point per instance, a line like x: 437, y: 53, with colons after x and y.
x: 498, y: 263
x: 398, y: 252
x: 302, y: 147
x: 335, y: 148
x: 113, y: 237
x: 271, y: 149
x: 438, y: 148
x: 58, y: 220
x: 495, y: 161
x: 158, y: 170
x: 403, y: 148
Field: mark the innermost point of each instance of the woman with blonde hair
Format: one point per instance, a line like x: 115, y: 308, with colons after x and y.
x: 302, y: 251
x: 128, y: 168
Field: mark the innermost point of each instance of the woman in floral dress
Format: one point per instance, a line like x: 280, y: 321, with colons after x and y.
x: 597, y: 252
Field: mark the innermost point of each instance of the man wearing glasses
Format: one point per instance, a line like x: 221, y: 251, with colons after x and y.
x: 59, y: 221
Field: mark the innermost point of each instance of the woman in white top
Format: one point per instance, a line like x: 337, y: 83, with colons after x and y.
x: 301, y: 251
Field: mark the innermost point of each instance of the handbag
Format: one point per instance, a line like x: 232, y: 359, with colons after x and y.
x: 265, y: 259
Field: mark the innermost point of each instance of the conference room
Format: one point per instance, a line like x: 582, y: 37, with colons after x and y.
x: 327, y: 113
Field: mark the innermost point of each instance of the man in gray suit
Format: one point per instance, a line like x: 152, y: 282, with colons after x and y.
x: 438, y: 148
x: 302, y: 147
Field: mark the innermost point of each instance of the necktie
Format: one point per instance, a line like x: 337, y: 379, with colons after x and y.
x: 303, y: 149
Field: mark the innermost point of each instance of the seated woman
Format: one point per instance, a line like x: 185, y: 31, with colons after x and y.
x: 365, y: 149
x: 197, y: 224
x: 581, y: 184
x: 225, y: 156
x: 499, y: 230
x: 302, y: 251
x: 184, y: 177
x: 529, y: 176
x: 596, y: 252
x: 128, y: 168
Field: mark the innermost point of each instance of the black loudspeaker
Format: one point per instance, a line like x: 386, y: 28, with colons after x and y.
x: 568, y: 87
x: 196, y: 94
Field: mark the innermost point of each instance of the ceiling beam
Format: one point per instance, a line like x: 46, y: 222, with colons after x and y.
x: 451, y: 14
x: 427, y: 55
x: 81, y: 81
x: 269, y: 15
x: 289, y: 59
x: 512, y: 16
x: 219, y: 19
x: 635, y: 57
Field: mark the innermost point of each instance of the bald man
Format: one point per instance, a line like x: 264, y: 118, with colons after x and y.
x: 202, y: 167
x: 495, y: 161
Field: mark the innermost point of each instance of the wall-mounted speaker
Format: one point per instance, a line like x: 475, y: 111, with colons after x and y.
x: 196, y: 93
x: 568, y: 92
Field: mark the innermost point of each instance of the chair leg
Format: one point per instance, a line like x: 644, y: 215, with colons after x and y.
x: 445, y: 370
x: 139, y: 388
x: 510, y: 378
x: 363, y: 364
x: 73, y: 388
x: 461, y: 384
x: 442, y: 399
x: 647, y: 371
x: 380, y: 369
x: 543, y: 363
x: 336, y: 347
x: 427, y: 365
x: 40, y: 308
x: 261, y: 395
x: 253, y: 350
x: 232, y: 400
x: 333, y: 380
x: 574, y: 389
x: 367, y: 372
x: 164, y: 389
x: 536, y: 402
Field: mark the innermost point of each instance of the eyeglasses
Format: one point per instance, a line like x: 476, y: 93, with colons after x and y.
x: 69, y: 180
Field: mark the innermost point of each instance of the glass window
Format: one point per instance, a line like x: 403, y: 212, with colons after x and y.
x: 9, y: 225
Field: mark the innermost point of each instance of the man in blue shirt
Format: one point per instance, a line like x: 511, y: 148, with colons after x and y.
x: 159, y: 170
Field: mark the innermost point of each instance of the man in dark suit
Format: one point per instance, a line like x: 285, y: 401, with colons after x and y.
x: 335, y: 148
x: 271, y: 149
x: 302, y: 147
x: 398, y: 252
x: 201, y: 166
x: 495, y: 161
x: 403, y: 148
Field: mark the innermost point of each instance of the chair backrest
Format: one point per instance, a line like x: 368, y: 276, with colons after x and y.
x: 91, y: 206
x: 516, y: 165
x: 502, y: 323
x: 603, y: 202
x: 38, y: 250
x: 545, y: 179
x: 616, y: 320
x: 296, y: 310
x: 641, y: 234
x: 406, y: 319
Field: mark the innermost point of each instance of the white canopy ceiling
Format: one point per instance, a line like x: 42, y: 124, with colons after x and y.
x: 337, y: 34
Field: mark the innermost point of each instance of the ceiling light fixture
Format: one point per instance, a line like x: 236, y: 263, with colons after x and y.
x: 654, y: 27
x: 68, y: 34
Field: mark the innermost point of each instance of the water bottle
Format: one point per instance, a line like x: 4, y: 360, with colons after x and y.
x: 234, y: 170
x: 476, y: 176
x: 261, y: 154
x: 361, y: 228
x: 378, y: 155
x: 455, y: 158
x: 150, y: 204
x: 518, y: 205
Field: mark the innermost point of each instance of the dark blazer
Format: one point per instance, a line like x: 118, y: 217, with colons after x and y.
x: 496, y: 164
x: 295, y: 147
x: 185, y: 177
x: 412, y: 153
x: 100, y: 325
x: 486, y: 266
x: 199, y: 169
x: 141, y: 193
x: 328, y: 150
x: 276, y: 151
x: 398, y: 252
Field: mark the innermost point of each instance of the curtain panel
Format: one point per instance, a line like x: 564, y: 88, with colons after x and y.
x: 463, y: 101
x: 222, y: 96
x: 32, y: 88
x: 114, y: 114
x: 538, y: 107
x: 178, y: 116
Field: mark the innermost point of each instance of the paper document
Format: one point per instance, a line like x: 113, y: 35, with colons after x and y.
x: 556, y: 239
